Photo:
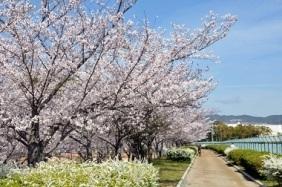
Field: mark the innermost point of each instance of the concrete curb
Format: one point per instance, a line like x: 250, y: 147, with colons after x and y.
x: 238, y: 168
x: 179, y: 184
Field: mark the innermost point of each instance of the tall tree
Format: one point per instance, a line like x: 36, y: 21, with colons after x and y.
x: 66, y: 70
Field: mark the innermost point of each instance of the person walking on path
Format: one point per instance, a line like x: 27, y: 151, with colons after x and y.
x: 199, y: 149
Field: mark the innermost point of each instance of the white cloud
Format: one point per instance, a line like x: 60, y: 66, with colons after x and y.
x: 228, y: 101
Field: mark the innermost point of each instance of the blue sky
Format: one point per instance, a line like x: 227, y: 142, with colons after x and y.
x: 249, y: 76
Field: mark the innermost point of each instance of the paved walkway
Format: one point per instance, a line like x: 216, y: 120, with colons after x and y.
x: 209, y: 170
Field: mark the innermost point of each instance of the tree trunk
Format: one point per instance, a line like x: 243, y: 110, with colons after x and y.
x: 89, y: 155
x: 117, y: 154
x: 160, y: 151
x: 35, y: 153
x: 150, y: 155
x: 35, y: 146
x: 86, y: 154
x: 117, y: 149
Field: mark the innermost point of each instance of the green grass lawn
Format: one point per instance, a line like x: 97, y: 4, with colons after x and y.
x: 170, y: 172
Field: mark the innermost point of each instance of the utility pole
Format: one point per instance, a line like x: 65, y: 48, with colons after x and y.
x: 212, y: 131
x: 280, y: 124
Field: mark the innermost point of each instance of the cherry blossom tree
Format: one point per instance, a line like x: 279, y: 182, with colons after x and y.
x: 71, y: 72
x: 46, y: 50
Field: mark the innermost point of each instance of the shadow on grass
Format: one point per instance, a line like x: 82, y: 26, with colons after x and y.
x: 170, y: 172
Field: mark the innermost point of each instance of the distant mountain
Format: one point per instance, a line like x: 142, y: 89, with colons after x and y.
x: 273, y: 119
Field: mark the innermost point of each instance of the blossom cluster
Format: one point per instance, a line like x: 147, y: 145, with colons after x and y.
x: 272, y: 167
x: 66, y: 173
x: 73, y: 75
x: 180, y: 154
x: 229, y: 149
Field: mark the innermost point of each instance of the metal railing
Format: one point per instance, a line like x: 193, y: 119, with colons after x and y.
x: 272, y: 144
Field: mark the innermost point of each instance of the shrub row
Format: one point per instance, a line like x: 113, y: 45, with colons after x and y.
x: 251, y: 160
x: 180, y: 154
x: 194, y: 147
x: 228, y: 150
x: 219, y: 148
x: 272, y: 168
x: 66, y: 173
x: 5, y: 169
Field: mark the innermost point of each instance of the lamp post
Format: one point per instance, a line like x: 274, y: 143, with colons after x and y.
x: 212, y: 130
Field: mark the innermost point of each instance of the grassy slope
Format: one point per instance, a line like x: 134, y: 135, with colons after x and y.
x: 270, y: 183
x: 170, y: 171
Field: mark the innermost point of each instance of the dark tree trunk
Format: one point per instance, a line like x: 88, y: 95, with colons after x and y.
x: 150, y: 154
x: 129, y: 157
x: 117, y: 153
x: 99, y: 157
x: 35, y: 153
x: 117, y: 149
x: 159, y: 149
x: 35, y: 146
x: 89, y: 155
x: 86, y: 154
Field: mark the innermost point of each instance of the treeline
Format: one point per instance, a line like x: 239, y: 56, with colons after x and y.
x: 93, y: 83
x: 222, y: 132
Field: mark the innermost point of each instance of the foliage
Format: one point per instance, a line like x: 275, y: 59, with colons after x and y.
x: 5, y: 169
x: 78, y: 75
x: 229, y: 149
x: 170, y: 172
x: 272, y: 168
x: 66, y: 173
x: 269, y: 182
x: 194, y: 147
x: 236, y: 155
x: 180, y: 154
x: 219, y: 148
x: 224, y: 132
x: 251, y: 160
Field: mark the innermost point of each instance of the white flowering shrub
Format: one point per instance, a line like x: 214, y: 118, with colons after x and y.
x: 180, y: 154
x: 5, y: 169
x: 272, y: 168
x: 66, y: 173
x: 229, y: 149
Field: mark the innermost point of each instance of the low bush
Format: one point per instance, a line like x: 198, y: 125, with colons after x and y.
x: 194, y: 147
x: 229, y: 149
x: 219, y: 148
x: 272, y: 168
x: 5, y: 169
x: 236, y: 155
x: 251, y: 160
x: 180, y: 154
x: 66, y: 173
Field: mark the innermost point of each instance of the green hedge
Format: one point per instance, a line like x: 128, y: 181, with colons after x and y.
x: 219, y: 148
x: 251, y: 160
x: 180, y: 154
x: 66, y: 173
x: 194, y: 147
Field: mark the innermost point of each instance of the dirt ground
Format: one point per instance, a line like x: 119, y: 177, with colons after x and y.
x: 209, y: 170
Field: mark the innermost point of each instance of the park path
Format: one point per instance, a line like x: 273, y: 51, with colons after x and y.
x: 209, y: 170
